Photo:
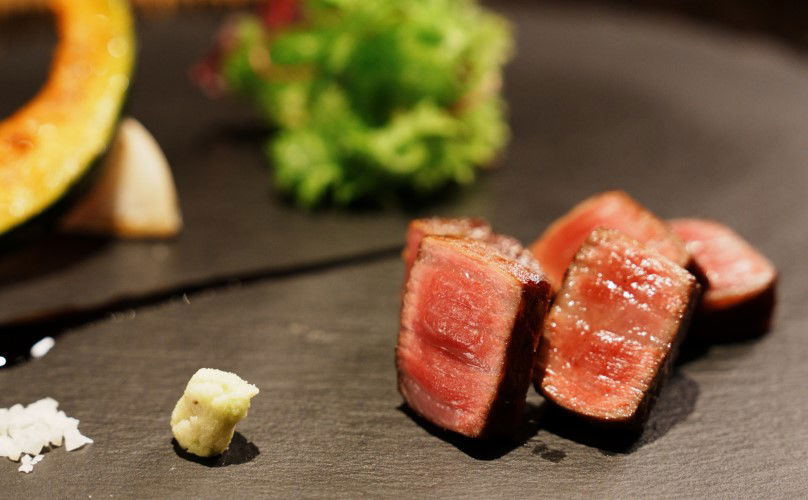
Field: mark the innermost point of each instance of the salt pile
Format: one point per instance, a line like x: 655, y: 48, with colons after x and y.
x: 28, y: 463
x: 26, y: 431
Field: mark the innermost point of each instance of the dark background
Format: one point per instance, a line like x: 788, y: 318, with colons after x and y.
x: 783, y: 20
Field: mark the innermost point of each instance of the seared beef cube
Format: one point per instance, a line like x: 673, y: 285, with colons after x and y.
x: 615, y: 210
x: 468, y: 227
x: 739, y: 282
x: 614, y: 329
x: 470, y: 321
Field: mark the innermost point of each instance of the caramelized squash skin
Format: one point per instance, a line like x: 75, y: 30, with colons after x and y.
x: 51, y: 143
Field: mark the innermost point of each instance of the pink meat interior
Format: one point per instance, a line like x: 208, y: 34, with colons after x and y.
x: 558, y: 245
x: 457, y: 317
x: 418, y: 228
x: 735, y: 271
x: 612, y: 326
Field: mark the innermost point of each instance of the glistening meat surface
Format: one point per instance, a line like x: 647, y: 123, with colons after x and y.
x: 733, y: 269
x: 470, y: 321
x: 739, y: 281
x: 558, y: 244
x: 613, y: 328
x: 467, y: 227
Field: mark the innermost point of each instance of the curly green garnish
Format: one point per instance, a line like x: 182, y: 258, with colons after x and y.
x: 373, y: 100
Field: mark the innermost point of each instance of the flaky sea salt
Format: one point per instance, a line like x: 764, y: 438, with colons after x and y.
x: 28, y: 463
x: 26, y: 431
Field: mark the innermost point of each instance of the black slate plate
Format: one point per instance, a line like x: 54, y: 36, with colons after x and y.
x: 690, y: 121
x: 234, y: 225
x: 329, y: 422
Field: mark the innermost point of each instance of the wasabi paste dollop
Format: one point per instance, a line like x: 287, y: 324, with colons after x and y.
x: 205, y: 417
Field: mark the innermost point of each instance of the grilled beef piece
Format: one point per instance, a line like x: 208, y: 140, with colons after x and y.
x: 476, y: 229
x: 739, y: 283
x: 468, y: 227
x: 470, y: 321
x: 614, y: 329
x: 615, y: 210
x: 513, y: 249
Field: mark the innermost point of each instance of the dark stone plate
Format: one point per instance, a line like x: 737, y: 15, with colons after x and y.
x: 329, y: 422
x: 690, y: 121
x: 234, y: 224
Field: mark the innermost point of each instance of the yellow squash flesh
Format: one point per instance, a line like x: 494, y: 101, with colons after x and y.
x: 50, y: 143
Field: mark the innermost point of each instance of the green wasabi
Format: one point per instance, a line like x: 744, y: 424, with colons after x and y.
x: 205, y: 417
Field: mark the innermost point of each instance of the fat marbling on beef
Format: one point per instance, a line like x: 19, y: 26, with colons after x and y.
x: 470, y: 320
x: 556, y: 247
x: 468, y: 227
x: 613, y: 329
x: 739, y: 282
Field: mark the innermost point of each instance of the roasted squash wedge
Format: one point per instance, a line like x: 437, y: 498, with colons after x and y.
x: 49, y: 145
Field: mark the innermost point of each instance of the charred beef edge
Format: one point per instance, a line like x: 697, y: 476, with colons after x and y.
x: 634, y: 424
x: 508, y: 406
x: 641, y: 415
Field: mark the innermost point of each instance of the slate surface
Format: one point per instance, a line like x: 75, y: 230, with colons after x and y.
x: 328, y: 420
x: 690, y: 121
x: 233, y: 223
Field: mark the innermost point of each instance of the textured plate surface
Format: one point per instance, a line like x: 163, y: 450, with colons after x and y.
x: 233, y: 222
x: 328, y: 419
x: 691, y: 122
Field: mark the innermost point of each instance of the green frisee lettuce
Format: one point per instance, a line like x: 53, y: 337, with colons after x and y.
x: 375, y: 100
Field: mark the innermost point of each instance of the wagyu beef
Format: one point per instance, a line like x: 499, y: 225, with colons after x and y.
x: 512, y: 249
x: 615, y: 210
x: 739, y: 282
x: 613, y: 329
x: 468, y: 227
x: 470, y: 320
